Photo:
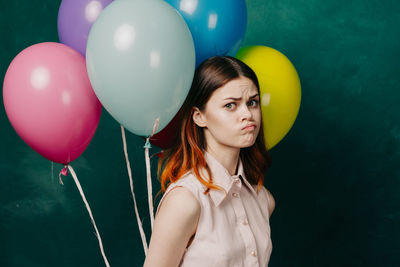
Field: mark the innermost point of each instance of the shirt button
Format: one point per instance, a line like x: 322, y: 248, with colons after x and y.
x: 253, y: 253
x: 237, y: 181
x: 235, y: 194
x: 244, y: 222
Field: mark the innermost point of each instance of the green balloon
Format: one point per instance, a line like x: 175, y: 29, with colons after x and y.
x: 140, y: 59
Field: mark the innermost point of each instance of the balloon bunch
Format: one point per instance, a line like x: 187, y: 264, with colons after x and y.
x: 139, y: 65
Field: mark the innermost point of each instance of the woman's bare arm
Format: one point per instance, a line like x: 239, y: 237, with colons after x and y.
x: 174, y: 225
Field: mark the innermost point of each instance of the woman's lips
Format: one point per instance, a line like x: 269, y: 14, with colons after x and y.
x: 249, y: 127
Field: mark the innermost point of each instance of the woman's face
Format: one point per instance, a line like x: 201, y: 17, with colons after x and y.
x: 232, y: 116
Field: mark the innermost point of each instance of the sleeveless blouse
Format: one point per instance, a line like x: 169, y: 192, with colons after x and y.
x: 233, y: 228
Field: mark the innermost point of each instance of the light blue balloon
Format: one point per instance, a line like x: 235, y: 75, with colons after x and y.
x: 217, y: 26
x: 140, y: 59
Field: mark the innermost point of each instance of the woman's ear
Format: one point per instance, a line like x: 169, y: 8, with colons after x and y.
x: 199, y: 117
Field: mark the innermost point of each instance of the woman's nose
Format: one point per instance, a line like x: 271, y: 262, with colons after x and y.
x: 245, y: 113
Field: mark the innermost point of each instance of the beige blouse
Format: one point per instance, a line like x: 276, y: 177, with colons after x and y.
x: 233, y: 228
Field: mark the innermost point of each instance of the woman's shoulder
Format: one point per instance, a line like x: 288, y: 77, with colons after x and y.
x: 183, y: 190
x: 182, y: 201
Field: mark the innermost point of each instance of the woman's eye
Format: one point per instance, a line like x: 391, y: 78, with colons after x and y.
x: 230, y: 105
x: 253, y: 103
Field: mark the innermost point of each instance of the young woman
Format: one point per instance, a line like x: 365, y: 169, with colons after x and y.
x: 215, y: 210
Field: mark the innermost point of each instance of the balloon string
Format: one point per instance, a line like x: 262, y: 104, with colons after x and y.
x: 128, y: 166
x: 147, y: 147
x: 78, y: 185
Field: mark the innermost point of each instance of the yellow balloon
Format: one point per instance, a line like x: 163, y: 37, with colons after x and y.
x: 280, y: 90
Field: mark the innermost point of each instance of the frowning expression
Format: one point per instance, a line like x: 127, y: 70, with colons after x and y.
x: 232, y: 115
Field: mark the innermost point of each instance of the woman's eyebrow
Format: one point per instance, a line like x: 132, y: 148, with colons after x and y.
x: 254, y: 96
x: 233, y: 98
x: 240, y: 98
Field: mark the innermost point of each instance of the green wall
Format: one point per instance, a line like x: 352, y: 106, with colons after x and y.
x: 335, y: 176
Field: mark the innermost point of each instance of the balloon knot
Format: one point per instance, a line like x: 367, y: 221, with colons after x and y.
x: 63, y: 172
x: 147, y: 144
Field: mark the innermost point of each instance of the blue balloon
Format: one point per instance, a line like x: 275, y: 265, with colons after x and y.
x: 217, y: 26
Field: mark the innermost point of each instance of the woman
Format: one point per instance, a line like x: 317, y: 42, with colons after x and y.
x: 215, y: 210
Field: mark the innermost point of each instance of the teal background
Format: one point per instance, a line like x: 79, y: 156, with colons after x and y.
x: 335, y: 176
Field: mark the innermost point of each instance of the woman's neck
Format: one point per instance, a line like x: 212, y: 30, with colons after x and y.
x: 228, y: 157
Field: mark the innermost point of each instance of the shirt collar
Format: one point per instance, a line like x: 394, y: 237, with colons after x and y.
x: 223, y: 179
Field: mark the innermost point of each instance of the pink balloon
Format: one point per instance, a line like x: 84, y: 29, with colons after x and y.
x: 50, y: 102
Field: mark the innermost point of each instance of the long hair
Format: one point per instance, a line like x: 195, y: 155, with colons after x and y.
x: 187, y: 151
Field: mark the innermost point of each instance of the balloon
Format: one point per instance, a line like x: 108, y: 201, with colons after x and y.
x: 140, y: 59
x: 217, y: 26
x: 49, y: 101
x: 280, y: 89
x: 75, y: 18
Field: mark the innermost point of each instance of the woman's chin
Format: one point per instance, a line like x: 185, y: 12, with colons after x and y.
x: 248, y: 143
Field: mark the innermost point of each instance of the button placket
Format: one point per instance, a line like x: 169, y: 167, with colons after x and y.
x: 243, y: 225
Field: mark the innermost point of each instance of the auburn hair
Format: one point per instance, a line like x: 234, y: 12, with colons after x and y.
x: 187, y: 151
